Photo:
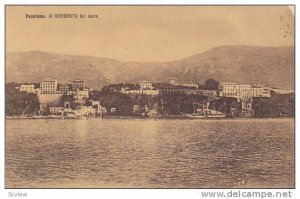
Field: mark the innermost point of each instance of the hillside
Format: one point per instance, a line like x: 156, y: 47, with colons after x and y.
x: 245, y: 64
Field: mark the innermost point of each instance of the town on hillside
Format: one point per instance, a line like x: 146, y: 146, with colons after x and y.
x: 211, y: 99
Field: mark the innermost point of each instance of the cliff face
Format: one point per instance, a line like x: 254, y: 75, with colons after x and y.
x: 245, y: 64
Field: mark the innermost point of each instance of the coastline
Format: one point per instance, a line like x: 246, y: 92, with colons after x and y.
x: 166, y: 117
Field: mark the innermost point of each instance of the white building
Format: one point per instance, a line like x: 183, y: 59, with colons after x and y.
x: 243, y: 91
x: 78, y: 84
x: 140, y: 92
x: 48, y: 85
x: 94, y: 102
x: 150, y: 92
x: 282, y: 90
x: 232, y: 89
x: 86, y: 111
x: 189, y: 84
x: 131, y: 92
x: 64, y: 87
x: 261, y: 91
x: 71, y: 92
x: 83, y: 93
x: 210, y: 93
x: 80, y: 95
x: 56, y: 110
x: 186, y: 84
x: 96, y: 105
x: 29, y: 88
x: 145, y: 85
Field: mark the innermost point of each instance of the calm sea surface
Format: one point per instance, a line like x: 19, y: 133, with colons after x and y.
x: 136, y: 153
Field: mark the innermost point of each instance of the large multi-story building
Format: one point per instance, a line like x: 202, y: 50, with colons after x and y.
x: 243, y: 91
x: 261, y: 91
x: 209, y: 93
x: 48, y: 86
x: 145, y: 85
x: 64, y: 87
x: 185, y: 84
x: 78, y: 84
x: 233, y: 89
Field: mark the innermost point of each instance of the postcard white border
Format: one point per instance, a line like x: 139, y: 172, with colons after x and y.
x: 128, y: 193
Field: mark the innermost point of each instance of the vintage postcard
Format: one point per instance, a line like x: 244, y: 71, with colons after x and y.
x: 149, y: 96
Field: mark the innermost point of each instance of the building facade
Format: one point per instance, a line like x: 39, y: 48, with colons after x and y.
x: 140, y: 92
x: 281, y: 90
x: 81, y: 95
x: 190, y: 84
x: 78, y: 84
x: 56, y: 110
x: 145, y: 85
x: 209, y: 93
x: 29, y: 88
x: 85, y: 111
x: 64, y: 87
x: 243, y: 91
x: 261, y: 91
x: 48, y: 85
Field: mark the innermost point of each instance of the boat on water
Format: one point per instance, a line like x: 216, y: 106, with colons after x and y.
x: 205, y: 112
x: 200, y: 116
x: 81, y: 118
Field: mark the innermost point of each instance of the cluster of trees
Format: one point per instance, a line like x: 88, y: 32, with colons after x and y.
x: 228, y: 105
x: 112, y: 88
x: 178, y: 103
x: 210, y: 84
x: 181, y: 103
x: 124, y: 103
x: 19, y: 103
x: 167, y: 104
x: 276, y: 105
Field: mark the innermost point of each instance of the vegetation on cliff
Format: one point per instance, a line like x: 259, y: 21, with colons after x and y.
x: 276, y: 105
x: 19, y: 103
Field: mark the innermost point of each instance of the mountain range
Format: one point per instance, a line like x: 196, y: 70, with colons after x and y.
x: 243, y: 64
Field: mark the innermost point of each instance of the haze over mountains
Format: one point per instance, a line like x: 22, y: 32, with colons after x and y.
x: 244, y: 64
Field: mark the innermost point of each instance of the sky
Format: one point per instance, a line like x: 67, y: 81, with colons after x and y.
x: 146, y: 33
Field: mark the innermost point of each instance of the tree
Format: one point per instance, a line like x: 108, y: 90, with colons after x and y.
x: 19, y: 103
x: 211, y: 84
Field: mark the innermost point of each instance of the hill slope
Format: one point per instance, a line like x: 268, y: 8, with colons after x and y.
x: 245, y: 64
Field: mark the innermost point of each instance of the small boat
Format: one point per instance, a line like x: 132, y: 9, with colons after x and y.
x: 197, y: 115
x: 82, y: 117
x: 205, y: 112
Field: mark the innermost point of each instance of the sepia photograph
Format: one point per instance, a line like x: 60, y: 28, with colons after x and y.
x: 150, y: 96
